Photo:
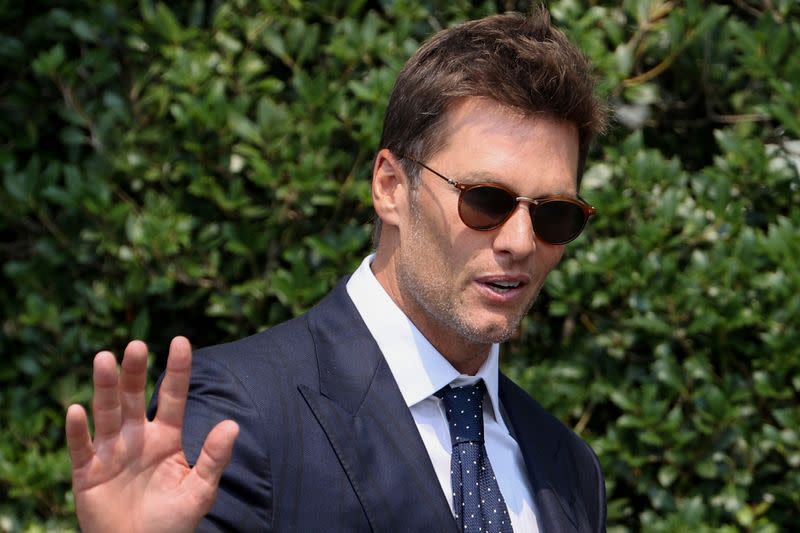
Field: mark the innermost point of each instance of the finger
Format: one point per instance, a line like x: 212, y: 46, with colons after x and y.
x: 174, y: 388
x: 132, y: 381
x: 79, y: 442
x: 105, y: 404
x: 214, y: 457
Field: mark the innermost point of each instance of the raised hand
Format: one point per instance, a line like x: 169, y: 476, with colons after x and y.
x: 134, y: 476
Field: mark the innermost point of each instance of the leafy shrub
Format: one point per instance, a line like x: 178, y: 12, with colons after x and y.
x: 202, y: 168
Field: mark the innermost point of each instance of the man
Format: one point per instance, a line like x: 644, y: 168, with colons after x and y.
x: 347, y: 417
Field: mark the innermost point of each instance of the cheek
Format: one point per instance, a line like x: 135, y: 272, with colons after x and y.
x: 437, y: 237
x: 552, y: 256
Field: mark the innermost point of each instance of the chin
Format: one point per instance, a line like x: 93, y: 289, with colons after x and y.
x: 503, y: 334
x: 487, y: 332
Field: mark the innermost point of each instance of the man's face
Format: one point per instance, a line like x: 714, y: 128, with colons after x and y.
x: 461, y: 286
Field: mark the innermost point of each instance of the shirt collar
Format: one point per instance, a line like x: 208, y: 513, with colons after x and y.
x: 418, y: 368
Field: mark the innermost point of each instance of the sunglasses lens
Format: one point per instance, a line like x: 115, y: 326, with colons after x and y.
x: 558, y: 222
x: 485, y: 207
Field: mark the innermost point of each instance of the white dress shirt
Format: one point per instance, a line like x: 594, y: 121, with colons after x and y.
x: 420, y: 370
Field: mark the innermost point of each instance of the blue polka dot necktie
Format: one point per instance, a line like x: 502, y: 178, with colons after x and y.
x: 478, y: 504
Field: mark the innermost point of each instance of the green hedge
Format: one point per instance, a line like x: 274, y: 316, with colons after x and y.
x: 201, y: 168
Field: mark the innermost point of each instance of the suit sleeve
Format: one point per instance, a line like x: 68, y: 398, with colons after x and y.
x: 244, y: 500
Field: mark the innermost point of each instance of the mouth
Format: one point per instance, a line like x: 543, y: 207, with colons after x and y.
x: 503, y: 285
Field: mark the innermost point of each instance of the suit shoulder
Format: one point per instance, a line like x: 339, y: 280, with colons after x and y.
x: 286, y: 342
x: 515, y: 393
x: 581, y: 469
x: 280, y: 349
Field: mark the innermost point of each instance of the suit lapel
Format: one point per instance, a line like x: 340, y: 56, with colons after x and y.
x: 548, y: 470
x: 362, y: 411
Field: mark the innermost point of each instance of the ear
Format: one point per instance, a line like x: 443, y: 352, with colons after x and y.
x: 389, y: 188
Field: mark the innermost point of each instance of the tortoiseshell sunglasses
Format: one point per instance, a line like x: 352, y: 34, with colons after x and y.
x: 486, y: 206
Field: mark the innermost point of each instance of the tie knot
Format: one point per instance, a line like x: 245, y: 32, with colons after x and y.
x: 464, y: 409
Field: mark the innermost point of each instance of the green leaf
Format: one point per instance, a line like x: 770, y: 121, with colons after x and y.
x: 47, y: 63
x: 166, y: 24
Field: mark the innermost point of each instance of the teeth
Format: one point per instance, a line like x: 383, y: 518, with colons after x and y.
x: 505, y: 284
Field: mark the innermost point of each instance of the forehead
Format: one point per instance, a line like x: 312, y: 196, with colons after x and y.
x: 485, y: 139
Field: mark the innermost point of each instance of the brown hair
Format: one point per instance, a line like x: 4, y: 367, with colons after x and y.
x: 519, y: 61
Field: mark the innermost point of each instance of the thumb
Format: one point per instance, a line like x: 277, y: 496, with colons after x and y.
x: 204, y: 478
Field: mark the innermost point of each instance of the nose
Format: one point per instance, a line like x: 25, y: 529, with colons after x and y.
x: 515, y: 236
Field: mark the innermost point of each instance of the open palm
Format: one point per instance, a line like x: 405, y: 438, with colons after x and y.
x: 134, y: 476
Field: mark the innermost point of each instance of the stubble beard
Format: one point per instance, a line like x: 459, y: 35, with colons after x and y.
x: 431, y: 295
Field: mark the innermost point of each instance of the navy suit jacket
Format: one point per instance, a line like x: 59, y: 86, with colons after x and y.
x: 327, y: 442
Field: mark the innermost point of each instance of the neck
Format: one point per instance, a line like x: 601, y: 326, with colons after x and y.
x: 464, y: 355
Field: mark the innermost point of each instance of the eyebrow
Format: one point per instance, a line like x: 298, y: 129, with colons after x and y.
x: 483, y: 176
x: 479, y: 176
